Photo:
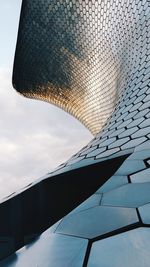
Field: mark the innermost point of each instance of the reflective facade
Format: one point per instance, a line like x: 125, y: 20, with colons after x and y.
x: 80, y: 55
x: 91, y: 58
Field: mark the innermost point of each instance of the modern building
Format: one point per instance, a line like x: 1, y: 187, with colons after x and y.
x: 92, y: 59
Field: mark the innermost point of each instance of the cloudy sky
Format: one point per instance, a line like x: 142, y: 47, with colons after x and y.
x: 35, y: 137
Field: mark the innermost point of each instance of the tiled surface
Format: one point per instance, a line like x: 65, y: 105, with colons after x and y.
x: 145, y: 213
x: 94, y: 63
x: 141, y: 176
x: 130, y: 195
x: 114, y: 182
x: 97, y: 221
x: 117, y: 207
x: 127, y: 249
x: 88, y: 57
x: 50, y: 250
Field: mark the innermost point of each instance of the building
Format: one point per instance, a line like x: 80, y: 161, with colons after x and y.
x: 91, y: 58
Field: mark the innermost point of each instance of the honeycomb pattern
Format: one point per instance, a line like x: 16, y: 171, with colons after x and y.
x: 83, y: 55
x: 92, y: 58
x: 116, y: 216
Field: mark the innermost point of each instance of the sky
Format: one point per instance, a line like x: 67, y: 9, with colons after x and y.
x: 35, y: 137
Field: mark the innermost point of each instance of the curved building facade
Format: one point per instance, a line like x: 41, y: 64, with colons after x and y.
x: 80, y: 55
x: 91, y: 58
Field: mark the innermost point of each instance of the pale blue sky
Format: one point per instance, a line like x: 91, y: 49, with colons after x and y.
x: 9, y: 17
x: 35, y: 136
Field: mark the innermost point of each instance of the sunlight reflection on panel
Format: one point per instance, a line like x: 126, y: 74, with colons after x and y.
x: 73, y: 54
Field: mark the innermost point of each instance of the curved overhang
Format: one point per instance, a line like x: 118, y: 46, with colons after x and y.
x: 91, y: 58
x: 68, y: 55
